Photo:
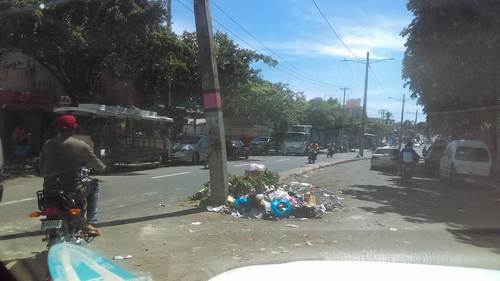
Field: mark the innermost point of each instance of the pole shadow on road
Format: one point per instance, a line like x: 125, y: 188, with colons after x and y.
x: 471, y: 213
x: 152, y: 217
x: 30, y: 268
x: 186, y: 212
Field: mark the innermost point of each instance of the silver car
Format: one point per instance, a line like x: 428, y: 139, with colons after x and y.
x: 191, y: 149
x: 385, y: 158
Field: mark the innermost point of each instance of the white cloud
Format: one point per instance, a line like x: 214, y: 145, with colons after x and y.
x: 378, y: 40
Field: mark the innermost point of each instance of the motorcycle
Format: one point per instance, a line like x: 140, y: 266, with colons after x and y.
x: 406, y: 171
x: 313, y: 155
x: 63, y: 212
x: 330, y: 152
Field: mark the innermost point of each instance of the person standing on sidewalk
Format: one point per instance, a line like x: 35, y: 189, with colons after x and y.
x: 61, y: 160
x: 21, y: 140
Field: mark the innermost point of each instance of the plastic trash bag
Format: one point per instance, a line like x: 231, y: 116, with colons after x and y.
x: 281, y: 208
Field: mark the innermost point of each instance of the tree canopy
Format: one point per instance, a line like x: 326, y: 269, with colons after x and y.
x: 451, y: 61
x: 75, y: 40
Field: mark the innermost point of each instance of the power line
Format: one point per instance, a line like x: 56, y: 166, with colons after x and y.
x: 267, y: 48
x: 345, y: 45
x: 378, y: 82
x: 286, y: 71
x: 333, y: 30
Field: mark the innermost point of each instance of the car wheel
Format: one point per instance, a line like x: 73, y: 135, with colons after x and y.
x: 196, y: 158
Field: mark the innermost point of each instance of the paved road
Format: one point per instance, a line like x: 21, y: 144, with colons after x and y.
x: 423, y: 221
x: 130, y: 194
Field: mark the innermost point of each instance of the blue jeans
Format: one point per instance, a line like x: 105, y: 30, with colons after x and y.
x: 92, y: 201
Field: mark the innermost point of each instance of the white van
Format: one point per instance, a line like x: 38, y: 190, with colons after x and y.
x: 467, y: 160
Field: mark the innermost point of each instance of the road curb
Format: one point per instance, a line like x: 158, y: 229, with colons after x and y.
x: 302, y: 170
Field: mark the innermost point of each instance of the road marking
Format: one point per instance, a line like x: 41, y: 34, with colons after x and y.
x: 241, y: 165
x: 281, y: 160
x: 17, y: 201
x: 171, y: 175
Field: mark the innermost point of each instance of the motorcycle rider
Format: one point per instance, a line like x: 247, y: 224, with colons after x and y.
x: 408, y: 156
x: 61, y: 160
x: 314, y: 146
x: 313, y: 150
x: 331, y: 148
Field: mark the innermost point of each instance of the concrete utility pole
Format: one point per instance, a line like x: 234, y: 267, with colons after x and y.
x: 217, y: 159
x: 169, y: 28
x: 416, y: 117
x: 401, y: 125
x: 363, y: 117
x: 169, y: 15
x: 343, y: 100
x: 343, y: 114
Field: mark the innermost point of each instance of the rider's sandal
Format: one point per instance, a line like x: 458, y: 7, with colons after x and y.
x: 92, y: 231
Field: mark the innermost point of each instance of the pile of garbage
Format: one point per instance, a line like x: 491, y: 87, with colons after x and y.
x: 275, y: 201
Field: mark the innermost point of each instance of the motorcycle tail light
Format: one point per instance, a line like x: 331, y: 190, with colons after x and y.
x: 34, y: 214
x: 50, y: 212
x: 75, y: 212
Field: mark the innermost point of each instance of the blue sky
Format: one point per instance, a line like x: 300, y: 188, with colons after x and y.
x: 310, y: 56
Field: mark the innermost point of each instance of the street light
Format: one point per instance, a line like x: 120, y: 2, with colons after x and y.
x: 363, y: 117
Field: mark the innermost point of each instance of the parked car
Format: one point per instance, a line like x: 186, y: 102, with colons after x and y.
x: 385, y: 158
x: 433, y: 156
x: 465, y: 160
x: 235, y: 148
x: 192, y: 149
x: 262, y: 145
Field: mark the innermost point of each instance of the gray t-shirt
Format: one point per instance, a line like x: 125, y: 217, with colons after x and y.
x: 65, y: 154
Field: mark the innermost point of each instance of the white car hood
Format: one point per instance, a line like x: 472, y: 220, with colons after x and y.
x: 355, y: 270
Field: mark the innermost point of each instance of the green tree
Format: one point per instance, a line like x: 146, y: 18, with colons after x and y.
x: 451, y: 61
x: 324, y: 113
x: 75, y: 40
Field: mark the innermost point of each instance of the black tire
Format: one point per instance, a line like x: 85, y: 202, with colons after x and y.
x: 196, y: 158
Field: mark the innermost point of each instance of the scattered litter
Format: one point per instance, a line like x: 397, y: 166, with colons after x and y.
x: 218, y: 209
x: 292, y: 225
x: 393, y: 229
x: 191, y: 231
x: 251, y: 199
x: 196, y: 223
x: 125, y: 257
x: 275, y: 252
x: 308, y: 243
x: 162, y: 205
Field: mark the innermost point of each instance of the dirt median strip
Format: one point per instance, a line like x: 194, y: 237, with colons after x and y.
x: 302, y: 170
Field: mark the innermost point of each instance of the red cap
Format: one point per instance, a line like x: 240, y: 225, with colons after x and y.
x: 66, y: 122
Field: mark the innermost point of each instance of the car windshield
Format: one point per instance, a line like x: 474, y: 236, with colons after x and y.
x: 188, y: 140
x: 296, y: 137
x: 474, y: 154
x: 228, y: 133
